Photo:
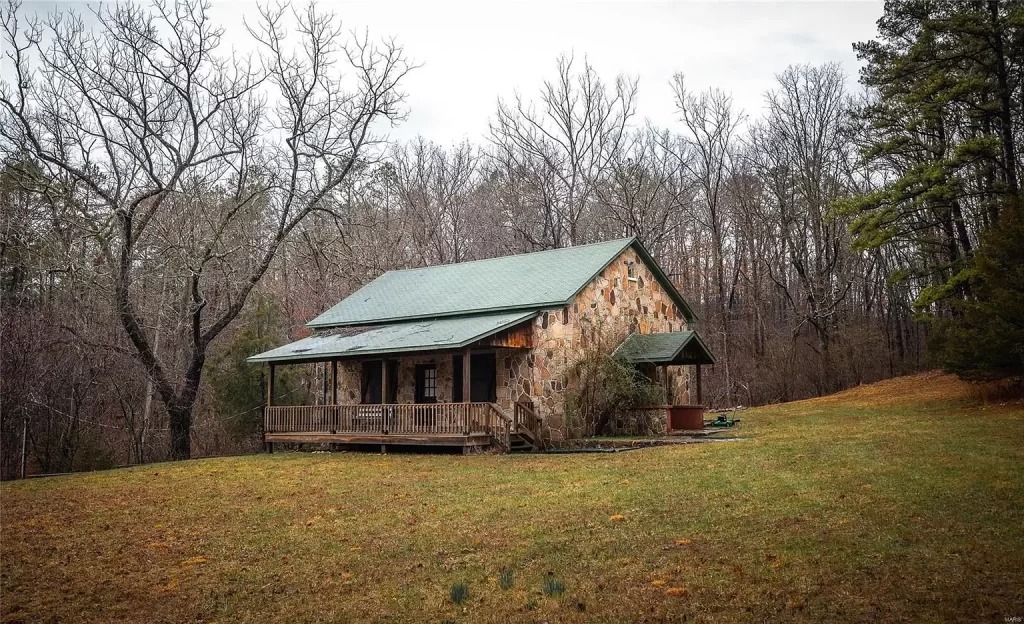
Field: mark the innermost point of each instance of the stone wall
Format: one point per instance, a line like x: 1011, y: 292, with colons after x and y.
x: 350, y: 378
x: 607, y: 310
x: 600, y: 317
x: 350, y: 382
x: 407, y: 376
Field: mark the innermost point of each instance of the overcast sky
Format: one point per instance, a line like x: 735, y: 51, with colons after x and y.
x: 474, y: 52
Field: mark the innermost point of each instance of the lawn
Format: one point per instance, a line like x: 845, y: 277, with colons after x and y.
x: 902, y: 501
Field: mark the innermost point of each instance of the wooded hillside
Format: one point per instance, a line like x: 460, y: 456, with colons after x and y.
x: 169, y: 209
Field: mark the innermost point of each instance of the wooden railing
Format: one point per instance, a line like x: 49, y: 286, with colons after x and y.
x: 501, y: 428
x: 419, y: 418
x: 524, y: 418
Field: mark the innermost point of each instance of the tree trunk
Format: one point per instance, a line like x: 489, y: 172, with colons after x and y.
x: 181, y: 428
x: 1005, y: 104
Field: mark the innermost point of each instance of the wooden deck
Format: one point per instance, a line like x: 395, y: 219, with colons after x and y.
x: 472, y: 440
x: 465, y: 425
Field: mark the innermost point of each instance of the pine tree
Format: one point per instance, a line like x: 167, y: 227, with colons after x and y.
x: 985, y: 339
x: 940, y: 134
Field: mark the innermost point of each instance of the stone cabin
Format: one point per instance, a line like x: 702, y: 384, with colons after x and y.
x: 481, y: 353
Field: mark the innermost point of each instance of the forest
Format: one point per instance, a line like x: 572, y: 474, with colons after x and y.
x: 169, y: 209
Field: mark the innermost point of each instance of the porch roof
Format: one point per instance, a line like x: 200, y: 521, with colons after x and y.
x: 422, y: 335
x: 683, y: 347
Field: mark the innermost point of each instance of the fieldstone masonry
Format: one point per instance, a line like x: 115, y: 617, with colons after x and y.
x: 622, y: 299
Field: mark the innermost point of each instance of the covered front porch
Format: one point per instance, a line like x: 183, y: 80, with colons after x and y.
x: 440, y: 382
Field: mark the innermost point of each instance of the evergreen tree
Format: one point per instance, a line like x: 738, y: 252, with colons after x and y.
x: 985, y: 338
x: 940, y: 135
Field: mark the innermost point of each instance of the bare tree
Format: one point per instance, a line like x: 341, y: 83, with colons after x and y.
x: 178, y: 148
x: 645, y: 190
x: 710, y: 125
x: 435, y: 186
x: 564, y: 146
x: 801, y: 152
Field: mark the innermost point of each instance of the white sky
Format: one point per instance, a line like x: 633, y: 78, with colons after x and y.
x: 474, y: 52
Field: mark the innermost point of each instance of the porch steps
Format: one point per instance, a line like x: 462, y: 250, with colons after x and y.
x: 521, y: 441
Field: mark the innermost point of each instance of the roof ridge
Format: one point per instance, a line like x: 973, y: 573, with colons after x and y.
x: 624, y: 241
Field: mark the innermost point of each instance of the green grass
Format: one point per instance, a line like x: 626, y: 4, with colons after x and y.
x: 851, y: 508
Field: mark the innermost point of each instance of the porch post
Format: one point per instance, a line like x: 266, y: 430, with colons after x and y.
x: 270, y: 386
x: 465, y: 389
x: 270, y: 403
x: 384, y: 424
x: 465, y: 376
x: 667, y: 384
x: 699, y: 400
x: 334, y: 382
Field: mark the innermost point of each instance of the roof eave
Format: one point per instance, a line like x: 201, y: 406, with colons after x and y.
x: 535, y: 307
x: 693, y: 335
x: 299, y: 358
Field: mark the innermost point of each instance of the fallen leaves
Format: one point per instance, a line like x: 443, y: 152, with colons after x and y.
x: 658, y: 583
x: 677, y: 592
x: 617, y: 518
x: 197, y: 560
x: 683, y: 542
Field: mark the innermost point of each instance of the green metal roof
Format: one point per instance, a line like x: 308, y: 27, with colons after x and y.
x: 684, y: 347
x: 530, y: 281
x: 444, y: 333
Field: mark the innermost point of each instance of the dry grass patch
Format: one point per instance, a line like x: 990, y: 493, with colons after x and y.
x: 838, y: 509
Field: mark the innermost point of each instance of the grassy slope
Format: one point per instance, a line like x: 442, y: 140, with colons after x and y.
x: 898, y: 501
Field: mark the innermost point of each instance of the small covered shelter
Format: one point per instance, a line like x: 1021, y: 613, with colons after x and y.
x: 662, y: 350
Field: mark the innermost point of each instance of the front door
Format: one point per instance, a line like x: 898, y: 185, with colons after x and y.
x: 371, y: 390
x: 373, y: 382
x: 483, y: 378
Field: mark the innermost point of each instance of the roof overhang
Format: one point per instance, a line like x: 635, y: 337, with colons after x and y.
x: 552, y: 299
x: 667, y: 348
x: 409, y: 337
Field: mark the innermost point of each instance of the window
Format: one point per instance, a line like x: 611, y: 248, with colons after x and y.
x: 430, y: 383
x: 426, y: 383
x: 631, y: 271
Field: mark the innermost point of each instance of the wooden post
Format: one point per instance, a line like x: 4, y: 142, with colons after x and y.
x: 334, y: 382
x: 466, y: 377
x: 270, y: 402
x: 383, y: 398
x: 667, y: 384
x: 466, y: 390
x: 699, y: 399
x: 270, y: 387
